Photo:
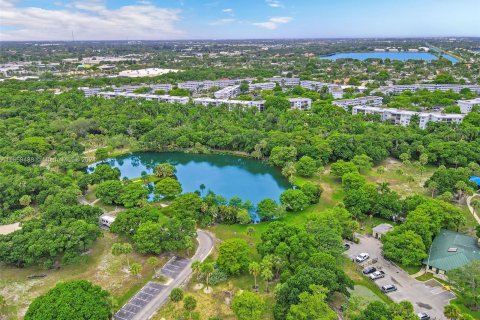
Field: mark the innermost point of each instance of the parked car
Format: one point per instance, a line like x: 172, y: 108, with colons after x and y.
x: 346, y: 246
x: 389, y: 288
x: 423, y: 316
x: 377, y: 275
x: 369, y: 270
x: 362, y: 257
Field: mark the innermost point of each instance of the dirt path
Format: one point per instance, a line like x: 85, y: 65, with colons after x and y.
x: 472, y: 210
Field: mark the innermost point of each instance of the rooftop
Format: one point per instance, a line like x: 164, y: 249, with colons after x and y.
x: 383, y: 228
x: 451, y: 250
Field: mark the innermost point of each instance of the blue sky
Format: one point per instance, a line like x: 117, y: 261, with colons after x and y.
x: 235, y: 19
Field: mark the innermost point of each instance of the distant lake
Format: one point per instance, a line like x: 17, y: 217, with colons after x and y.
x: 225, y: 175
x: 403, y: 56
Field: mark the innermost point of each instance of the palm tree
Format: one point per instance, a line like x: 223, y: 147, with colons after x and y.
x: 254, y: 270
x: 476, y: 205
x: 267, y: 275
x: 196, y: 266
x: 153, y: 261
x: 207, y: 269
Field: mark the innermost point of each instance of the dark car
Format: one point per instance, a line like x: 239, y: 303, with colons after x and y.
x: 389, y: 288
x: 369, y: 270
x: 346, y: 246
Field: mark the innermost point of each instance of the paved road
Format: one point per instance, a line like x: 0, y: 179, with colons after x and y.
x: 205, y: 246
x: 472, y: 210
x: 429, y: 297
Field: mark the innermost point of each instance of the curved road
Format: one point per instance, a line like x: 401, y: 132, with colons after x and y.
x: 205, y: 246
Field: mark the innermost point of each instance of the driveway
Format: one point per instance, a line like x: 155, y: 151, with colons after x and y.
x: 429, y: 297
x: 152, y: 296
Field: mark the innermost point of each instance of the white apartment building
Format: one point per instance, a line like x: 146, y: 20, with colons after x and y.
x: 153, y: 87
x: 347, y: 104
x: 88, y: 92
x: 148, y: 97
x: 300, y: 103
x: 466, y: 106
x: 205, y: 85
x: 397, y: 89
x: 335, y: 90
x: 227, y: 92
x: 403, y: 117
x: 261, y: 86
x: 285, y: 81
x: 259, y: 104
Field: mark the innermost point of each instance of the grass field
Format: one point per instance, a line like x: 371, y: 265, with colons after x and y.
x: 98, y: 266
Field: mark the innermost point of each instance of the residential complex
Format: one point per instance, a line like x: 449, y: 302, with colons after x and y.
x: 205, y: 85
x: 149, y: 97
x: 397, y: 89
x: 466, y: 106
x: 227, y: 92
x: 300, y: 103
x: 288, y: 82
x: 348, y: 104
x: 404, y: 117
x: 259, y: 104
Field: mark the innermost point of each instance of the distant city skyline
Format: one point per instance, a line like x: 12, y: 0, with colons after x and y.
x: 26, y: 20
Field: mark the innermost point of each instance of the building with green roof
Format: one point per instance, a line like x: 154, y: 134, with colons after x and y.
x: 451, y: 250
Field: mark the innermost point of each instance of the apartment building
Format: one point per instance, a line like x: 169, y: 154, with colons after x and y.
x: 300, y: 103
x: 404, y: 117
x: 88, y: 92
x: 227, y: 92
x: 335, y: 90
x: 288, y: 82
x: 348, y: 104
x: 258, y: 104
x: 398, y: 89
x: 148, y: 97
x: 153, y: 87
x: 206, y: 85
x: 261, y: 86
x: 466, y: 106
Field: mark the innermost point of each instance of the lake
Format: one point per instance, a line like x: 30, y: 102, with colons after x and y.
x: 403, y: 56
x: 225, y: 175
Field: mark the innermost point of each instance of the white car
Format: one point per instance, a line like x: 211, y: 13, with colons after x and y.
x: 362, y: 257
x: 377, y: 275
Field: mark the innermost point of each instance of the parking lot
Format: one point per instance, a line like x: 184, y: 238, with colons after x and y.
x: 429, y: 297
x: 139, y: 301
x: 173, y: 267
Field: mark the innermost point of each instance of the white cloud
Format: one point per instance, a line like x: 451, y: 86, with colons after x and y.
x: 274, y: 3
x: 228, y: 11
x: 89, y: 20
x: 221, y: 22
x: 273, y: 23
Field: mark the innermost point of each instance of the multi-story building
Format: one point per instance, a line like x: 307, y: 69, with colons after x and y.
x: 205, y: 85
x: 149, y: 97
x: 466, y: 106
x: 334, y: 89
x: 404, y: 117
x: 153, y: 87
x: 227, y: 92
x: 259, y: 104
x: 288, y: 82
x: 300, y: 103
x: 88, y: 92
x: 398, y: 89
x: 261, y: 86
x: 347, y: 104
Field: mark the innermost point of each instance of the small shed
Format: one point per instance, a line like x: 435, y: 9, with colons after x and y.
x: 381, y: 229
x: 106, y: 221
